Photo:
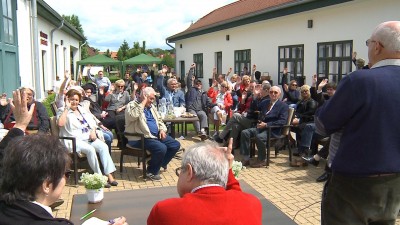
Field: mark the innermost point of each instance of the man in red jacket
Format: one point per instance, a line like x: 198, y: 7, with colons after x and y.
x: 209, y: 193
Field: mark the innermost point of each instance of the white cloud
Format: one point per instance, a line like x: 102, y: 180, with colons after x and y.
x: 108, y: 23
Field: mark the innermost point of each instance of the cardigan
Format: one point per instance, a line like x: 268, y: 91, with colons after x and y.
x: 366, y: 106
x: 25, y: 212
x: 209, y: 205
x: 228, y: 102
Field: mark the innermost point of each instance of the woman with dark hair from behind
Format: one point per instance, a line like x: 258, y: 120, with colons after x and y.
x: 33, y: 173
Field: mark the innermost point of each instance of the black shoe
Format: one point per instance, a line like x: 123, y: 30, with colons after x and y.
x: 311, y: 160
x: 218, y: 139
x: 323, y: 177
x: 56, y: 203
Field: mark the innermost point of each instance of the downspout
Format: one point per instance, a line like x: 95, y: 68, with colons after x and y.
x: 176, y: 63
x: 166, y: 42
x: 52, y: 48
x: 36, y: 67
x: 80, y: 55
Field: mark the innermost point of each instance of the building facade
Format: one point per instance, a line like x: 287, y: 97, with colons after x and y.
x: 309, y: 37
x: 36, y: 47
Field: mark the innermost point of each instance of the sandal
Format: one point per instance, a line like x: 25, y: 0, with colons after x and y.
x: 114, y: 183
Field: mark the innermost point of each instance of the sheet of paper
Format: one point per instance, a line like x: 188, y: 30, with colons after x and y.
x: 95, y: 221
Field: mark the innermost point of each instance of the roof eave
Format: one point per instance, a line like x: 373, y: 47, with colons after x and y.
x: 269, y: 13
x: 48, y: 13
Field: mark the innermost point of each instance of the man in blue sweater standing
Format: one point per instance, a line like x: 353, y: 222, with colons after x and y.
x: 365, y: 183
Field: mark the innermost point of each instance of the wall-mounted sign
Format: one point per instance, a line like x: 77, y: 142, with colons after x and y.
x: 43, y: 38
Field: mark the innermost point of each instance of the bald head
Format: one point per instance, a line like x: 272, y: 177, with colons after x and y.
x: 384, y: 42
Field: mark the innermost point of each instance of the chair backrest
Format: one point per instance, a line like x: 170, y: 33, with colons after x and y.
x: 286, y: 129
x: 54, y: 129
x: 54, y: 108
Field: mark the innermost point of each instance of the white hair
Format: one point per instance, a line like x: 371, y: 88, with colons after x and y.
x: 148, y: 90
x: 388, y: 33
x: 210, y: 164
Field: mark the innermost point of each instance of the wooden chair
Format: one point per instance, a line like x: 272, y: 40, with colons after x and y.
x: 76, y: 156
x: 271, y: 141
x: 126, y: 149
x: 285, y: 133
x: 53, y: 107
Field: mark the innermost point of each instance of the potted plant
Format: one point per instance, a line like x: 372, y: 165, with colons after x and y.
x: 236, y: 168
x: 94, y: 184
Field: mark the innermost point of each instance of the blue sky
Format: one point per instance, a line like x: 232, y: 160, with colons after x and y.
x: 108, y: 23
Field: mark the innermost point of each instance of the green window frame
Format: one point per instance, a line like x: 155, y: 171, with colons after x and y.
x: 242, y: 59
x: 198, y: 59
x: 334, y: 60
x: 292, y: 57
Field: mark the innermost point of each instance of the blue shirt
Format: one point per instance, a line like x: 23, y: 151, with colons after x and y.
x: 151, y: 122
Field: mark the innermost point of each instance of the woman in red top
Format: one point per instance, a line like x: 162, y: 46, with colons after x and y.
x: 222, y: 102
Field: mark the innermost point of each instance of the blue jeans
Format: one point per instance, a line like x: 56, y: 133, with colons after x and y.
x: 162, y: 151
x: 307, y: 134
x: 108, y: 138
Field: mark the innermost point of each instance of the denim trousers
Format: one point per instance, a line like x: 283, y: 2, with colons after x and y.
x: 307, y: 135
x: 162, y: 151
x: 90, y: 149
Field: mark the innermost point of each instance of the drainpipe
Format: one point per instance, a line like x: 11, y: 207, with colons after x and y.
x: 166, y: 42
x: 176, y: 63
x: 36, y: 68
x: 52, y: 48
x: 80, y: 54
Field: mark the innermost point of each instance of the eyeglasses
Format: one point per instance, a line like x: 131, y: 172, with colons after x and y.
x: 178, y: 171
x: 273, y: 92
x: 367, y: 42
x: 67, y: 174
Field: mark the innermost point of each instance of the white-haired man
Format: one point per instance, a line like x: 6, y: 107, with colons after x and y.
x: 209, y: 192
x: 173, y: 94
x: 365, y: 183
x: 142, y: 117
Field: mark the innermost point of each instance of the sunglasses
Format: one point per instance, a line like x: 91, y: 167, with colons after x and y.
x: 294, y: 84
x: 120, y: 86
x: 273, y: 92
x: 67, y: 174
x: 304, y: 91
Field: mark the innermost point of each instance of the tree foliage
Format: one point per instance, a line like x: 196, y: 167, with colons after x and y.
x: 74, y: 21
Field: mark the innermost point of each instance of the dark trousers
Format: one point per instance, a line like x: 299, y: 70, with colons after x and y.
x: 361, y: 200
x: 162, y: 151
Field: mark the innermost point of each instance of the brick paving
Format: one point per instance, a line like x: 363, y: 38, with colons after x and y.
x: 293, y: 190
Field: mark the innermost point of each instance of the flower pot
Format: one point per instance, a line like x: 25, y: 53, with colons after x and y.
x: 95, y: 195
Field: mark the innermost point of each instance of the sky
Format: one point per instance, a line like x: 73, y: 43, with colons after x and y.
x: 107, y: 24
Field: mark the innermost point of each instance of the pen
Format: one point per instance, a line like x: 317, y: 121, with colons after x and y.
x: 87, y: 214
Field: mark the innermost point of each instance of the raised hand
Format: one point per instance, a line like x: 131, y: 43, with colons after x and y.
x: 19, y: 106
x: 322, y: 84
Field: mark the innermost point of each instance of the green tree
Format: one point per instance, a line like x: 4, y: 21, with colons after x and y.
x: 74, y: 21
x: 168, y: 60
x: 144, y: 47
x: 123, y: 51
x: 108, y: 53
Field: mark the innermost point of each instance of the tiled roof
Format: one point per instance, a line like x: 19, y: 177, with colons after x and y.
x: 236, y: 10
x: 247, y: 11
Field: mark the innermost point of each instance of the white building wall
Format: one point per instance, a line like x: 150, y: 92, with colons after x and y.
x: 349, y: 21
x: 25, y: 43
